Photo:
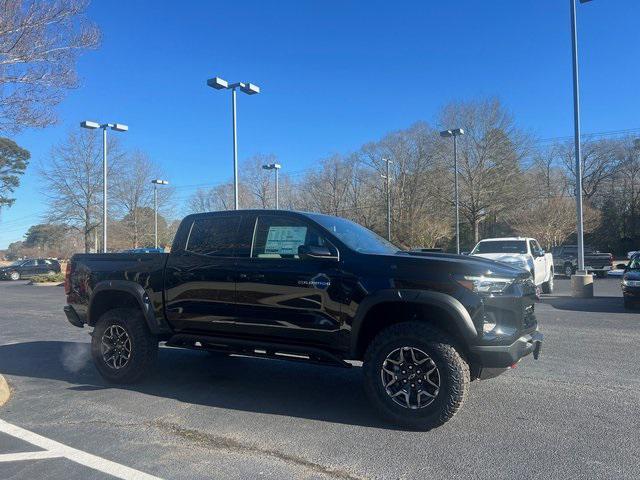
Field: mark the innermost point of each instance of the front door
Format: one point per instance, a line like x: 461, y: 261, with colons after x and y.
x: 284, y: 296
x: 200, y: 285
x: 539, y: 266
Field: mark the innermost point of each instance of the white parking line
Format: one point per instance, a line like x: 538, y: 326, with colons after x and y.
x: 55, y: 449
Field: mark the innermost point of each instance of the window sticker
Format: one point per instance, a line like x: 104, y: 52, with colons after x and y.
x: 285, y: 240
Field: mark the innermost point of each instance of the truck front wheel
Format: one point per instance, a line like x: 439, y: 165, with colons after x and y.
x: 122, y: 347
x: 547, y: 287
x: 415, y: 376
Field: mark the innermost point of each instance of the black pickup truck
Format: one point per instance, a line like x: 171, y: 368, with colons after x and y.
x: 565, y: 260
x: 315, y: 288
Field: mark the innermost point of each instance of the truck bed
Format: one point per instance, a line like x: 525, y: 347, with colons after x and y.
x: 89, y: 269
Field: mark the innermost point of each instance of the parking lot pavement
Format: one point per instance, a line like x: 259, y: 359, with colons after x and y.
x: 572, y: 414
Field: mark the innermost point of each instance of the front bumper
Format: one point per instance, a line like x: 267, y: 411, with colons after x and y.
x: 73, y: 317
x: 501, y: 357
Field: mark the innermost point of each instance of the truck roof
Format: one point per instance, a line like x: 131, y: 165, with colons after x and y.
x: 497, y: 239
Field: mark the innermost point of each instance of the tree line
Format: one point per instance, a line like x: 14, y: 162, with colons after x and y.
x: 509, y: 184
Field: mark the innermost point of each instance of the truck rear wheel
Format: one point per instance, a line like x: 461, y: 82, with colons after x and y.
x: 568, y: 270
x: 415, y: 376
x: 122, y: 347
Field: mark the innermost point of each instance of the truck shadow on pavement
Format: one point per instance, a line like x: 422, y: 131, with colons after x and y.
x: 595, y: 304
x: 237, y: 383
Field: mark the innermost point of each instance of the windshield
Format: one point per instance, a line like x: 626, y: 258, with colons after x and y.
x: 501, y: 246
x: 17, y: 263
x: 355, y: 236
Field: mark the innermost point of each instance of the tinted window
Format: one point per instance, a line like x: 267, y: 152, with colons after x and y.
x: 501, y: 246
x: 29, y: 263
x: 280, y: 237
x: 355, y: 236
x: 214, y: 236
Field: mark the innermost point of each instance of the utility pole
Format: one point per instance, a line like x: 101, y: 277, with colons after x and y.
x: 388, y: 190
x: 582, y: 282
x: 156, y: 182
x: 250, y: 89
x: 118, y: 127
x: 455, y: 133
x: 276, y: 167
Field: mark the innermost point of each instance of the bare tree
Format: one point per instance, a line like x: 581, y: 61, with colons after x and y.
x: 133, y: 198
x: 39, y: 44
x: 490, y: 159
x: 72, y: 181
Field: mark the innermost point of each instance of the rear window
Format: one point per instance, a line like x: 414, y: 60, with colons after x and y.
x: 215, y: 236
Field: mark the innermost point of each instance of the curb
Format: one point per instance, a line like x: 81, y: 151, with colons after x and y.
x: 46, y: 284
x: 5, y: 391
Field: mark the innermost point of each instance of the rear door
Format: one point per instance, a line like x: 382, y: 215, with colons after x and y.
x: 200, y: 286
x: 284, y: 296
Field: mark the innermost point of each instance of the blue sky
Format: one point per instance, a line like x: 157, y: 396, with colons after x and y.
x: 334, y: 75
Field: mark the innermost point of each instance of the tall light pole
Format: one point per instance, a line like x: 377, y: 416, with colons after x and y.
x: 118, y: 127
x: 582, y: 283
x: 455, y: 133
x: 387, y: 177
x: 250, y: 89
x: 156, y: 182
x: 276, y: 167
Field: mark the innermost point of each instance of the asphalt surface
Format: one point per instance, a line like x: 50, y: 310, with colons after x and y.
x: 575, y: 413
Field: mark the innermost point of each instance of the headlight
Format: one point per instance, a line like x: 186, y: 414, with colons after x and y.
x: 631, y: 283
x: 484, y: 284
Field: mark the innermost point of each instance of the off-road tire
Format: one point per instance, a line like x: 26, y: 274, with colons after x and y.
x: 452, y: 368
x: 144, y: 346
x: 547, y: 287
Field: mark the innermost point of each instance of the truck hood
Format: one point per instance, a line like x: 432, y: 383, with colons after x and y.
x: 462, y: 264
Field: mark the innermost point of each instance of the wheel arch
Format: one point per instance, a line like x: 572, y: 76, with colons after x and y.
x: 391, y: 307
x: 111, y: 294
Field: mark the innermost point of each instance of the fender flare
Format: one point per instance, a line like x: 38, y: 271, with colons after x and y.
x: 156, y: 325
x: 449, y: 304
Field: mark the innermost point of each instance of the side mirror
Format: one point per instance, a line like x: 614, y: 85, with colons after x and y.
x: 316, y: 252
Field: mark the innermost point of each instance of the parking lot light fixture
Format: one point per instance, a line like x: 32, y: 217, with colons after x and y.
x: 276, y: 167
x: 156, y: 182
x: 118, y: 127
x: 455, y: 133
x: 250, y: 89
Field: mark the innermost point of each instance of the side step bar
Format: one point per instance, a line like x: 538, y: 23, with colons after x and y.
x: 296, y: 353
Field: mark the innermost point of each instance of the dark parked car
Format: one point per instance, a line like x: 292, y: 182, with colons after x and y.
x: 631, y: 282
x: 314, y: 288
x: 565, y: 260
x: 29, y: 268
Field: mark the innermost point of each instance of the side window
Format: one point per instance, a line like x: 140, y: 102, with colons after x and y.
x: 532, y: 246
x: 280, y: 237
x: 536, y: 245
x: 214, y: 236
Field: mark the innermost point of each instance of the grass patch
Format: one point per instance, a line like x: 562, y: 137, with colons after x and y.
x: 56, y: 277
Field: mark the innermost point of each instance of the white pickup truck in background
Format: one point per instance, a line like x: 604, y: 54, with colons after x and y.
x: 520, y: 252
